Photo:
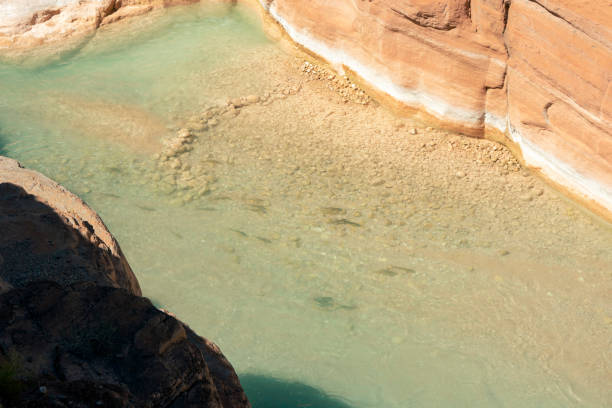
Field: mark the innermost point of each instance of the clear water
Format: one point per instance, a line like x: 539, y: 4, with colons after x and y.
x: 338, y: 260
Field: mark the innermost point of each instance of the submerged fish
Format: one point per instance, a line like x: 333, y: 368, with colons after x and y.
x: 207, y: 209
x: 329, y: 303
x: 344, y: 221
x: 386, y: 272
x: 332, y: 210
x: 325, y: 301
x: 244, y: 234
x: 394, y: 271
x: 176, y: 234
x: 402, y: 269
x: 260, y: 209
x: 145, y: 208
x: 266, y: 240
x: 109, y: 195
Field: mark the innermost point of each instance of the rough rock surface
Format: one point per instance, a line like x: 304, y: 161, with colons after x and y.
x: 48, y: 233
x: 103, y: 356
x: 74, y: 330
x: 535, y: 74
x: 33, y: 23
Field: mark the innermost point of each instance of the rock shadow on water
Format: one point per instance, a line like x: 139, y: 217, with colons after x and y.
x: 269, y: 392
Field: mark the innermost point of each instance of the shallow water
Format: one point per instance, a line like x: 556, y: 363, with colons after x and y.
x: 337, y: 259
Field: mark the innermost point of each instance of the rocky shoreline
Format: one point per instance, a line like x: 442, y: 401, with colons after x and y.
x: 58, y: 260
x: 476, y: 67
x: 469, y: 68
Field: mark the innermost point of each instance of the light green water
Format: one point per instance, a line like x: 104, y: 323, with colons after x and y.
x: 324, y: 286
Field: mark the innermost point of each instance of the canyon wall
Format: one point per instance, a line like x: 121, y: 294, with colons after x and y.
x: 27, y: 24
x: 534, y: 74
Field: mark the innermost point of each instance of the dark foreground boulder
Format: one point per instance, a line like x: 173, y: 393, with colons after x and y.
x: 48, y: 233
x: 85, y: 345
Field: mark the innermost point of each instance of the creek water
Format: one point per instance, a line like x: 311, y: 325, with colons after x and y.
x: 338, y: 259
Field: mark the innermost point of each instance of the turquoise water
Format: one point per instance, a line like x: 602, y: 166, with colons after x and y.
x: 274, y: 237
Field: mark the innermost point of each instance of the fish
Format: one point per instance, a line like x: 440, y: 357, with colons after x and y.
x: 404, y: 270
x: 110, y: 195
x: 325, y: 301
x: 260, y: 209
x: 344, y: 221
x: 266, y: 240
x: 244, y: 234
x: 394, y: 271
x: 386, y: 272
x: 176, y: 234
x: 145, y: 208
x: 207, y: 209
x: 332, y: 210
x: 329, y: 303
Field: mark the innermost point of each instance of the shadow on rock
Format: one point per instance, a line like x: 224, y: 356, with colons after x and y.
x: 48, y: 233
x: 269, y: 392
x: 87, y: 345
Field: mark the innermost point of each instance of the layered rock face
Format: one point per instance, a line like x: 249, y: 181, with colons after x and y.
x: 74, y: 330
x: 533, y: 73
x: 24, y: 24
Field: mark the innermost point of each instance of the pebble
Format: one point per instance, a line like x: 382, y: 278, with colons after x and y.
x: 213, y: 122
x: 197, y: 126
x: 460, y: 174
x: 252, y: 99
x: 413, y: 131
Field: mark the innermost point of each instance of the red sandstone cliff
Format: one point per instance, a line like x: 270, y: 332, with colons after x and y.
x: 532, y: 73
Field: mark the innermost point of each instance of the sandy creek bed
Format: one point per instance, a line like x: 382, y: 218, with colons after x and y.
x: 339, y: 255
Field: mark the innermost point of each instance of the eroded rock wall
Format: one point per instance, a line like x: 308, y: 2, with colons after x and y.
x: 535, y: 74
x: 25, y: 24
